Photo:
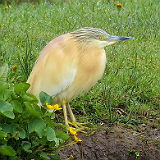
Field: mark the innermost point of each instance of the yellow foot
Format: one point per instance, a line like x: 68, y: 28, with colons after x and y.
x: 73, y: 132
x: 78, y: 126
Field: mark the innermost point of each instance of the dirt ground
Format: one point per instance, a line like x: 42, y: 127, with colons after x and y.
x: 118, y: 143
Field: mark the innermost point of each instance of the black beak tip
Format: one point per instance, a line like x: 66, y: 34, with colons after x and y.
x: 125, y: 38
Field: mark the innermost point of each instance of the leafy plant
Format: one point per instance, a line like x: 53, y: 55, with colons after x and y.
x: 26, y: 130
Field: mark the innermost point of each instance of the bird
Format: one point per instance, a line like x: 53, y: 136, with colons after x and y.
x: 69, y: 65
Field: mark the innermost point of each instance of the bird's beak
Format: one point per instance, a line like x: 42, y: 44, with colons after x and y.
x: 113, y: 39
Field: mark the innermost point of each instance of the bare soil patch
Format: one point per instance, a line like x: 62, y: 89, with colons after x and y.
x: 119, y: 143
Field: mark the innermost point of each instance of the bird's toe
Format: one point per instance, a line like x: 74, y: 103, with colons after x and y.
x: 79, y: 127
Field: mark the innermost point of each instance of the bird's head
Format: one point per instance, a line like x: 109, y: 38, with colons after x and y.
x: 97, y: 36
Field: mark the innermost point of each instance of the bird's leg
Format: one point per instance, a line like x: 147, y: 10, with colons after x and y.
x: 74, y: 123
x: 65, y: 113
x: 71, y: 113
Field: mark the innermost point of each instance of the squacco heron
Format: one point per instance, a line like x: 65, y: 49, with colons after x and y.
x: 71, y: 64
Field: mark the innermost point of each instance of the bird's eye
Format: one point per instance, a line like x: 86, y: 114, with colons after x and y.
x: 101, y: 37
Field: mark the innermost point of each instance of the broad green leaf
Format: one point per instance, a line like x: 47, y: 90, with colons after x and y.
x: 7, y: 150
x: 26, y: 146
x: 6, y: 109
x: 17, y: 106
x: 33, y: 109
x: 22, y: 133
x: 30, y: 98
x: 14, y: 130
x: 51, y: 136
x: 3, y: 85
x: 21, y: 88
x: 5, y: 93
x: 62, y: 135
x: 3, y: 134
x: 3, y: 72
x: 37, y: 125
x: 7, y: 128
x: 45, y: 98
x: 10, y: 128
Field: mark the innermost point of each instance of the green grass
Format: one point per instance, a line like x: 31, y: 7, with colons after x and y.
x: 132, y: 76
